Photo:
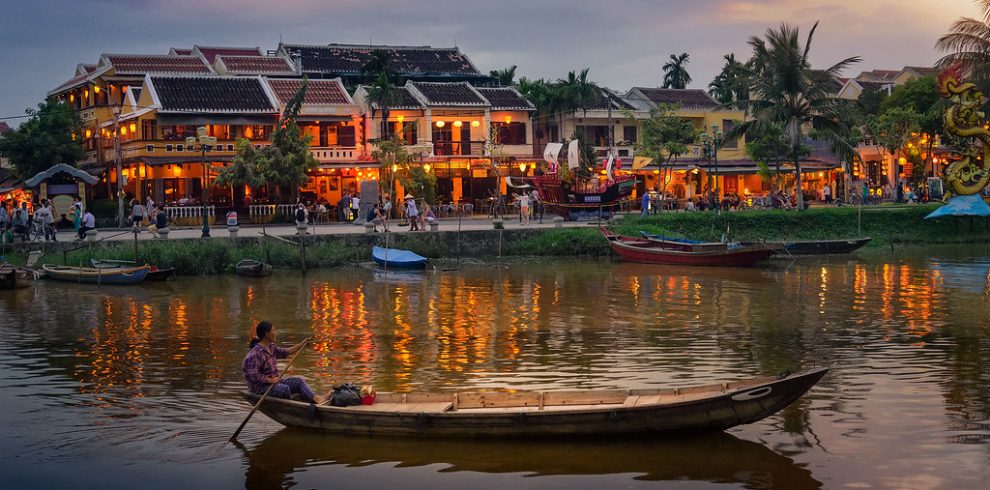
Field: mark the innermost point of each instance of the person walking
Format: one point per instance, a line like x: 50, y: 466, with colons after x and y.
x: 137, y: 214
x: 344, y: 208
x: 827, y: 192
x: 76, y: 212
x: 645, y: 204
x: 153, y: 213
x: 523, y: 209
x: 43, y: 216
x: 356, y: 207
x: 412, y: 213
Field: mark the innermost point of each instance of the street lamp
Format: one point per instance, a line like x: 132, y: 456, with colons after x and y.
x: 120, y: 170
x: 206, y: 143
x: 713, y: 143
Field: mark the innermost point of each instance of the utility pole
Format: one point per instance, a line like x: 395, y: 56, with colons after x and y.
x: 120, y: 169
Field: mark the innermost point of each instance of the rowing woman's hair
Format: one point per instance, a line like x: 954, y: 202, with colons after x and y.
x: 260, y: 331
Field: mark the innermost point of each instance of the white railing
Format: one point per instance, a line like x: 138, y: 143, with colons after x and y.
x: 261, y: 210
x: 334, y: 153
x: 175, y: 212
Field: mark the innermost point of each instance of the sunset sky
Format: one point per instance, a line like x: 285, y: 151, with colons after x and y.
x: 623, y: 42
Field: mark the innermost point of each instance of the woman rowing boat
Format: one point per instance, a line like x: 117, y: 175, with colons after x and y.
x: 261, y: 368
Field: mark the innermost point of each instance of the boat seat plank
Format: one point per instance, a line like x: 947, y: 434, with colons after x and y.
x: 631, y: 401
x: 648, y: 400
x: 555, y: 408
x: 599, y: 397
x: 428, y: 407
x: 486, y: 399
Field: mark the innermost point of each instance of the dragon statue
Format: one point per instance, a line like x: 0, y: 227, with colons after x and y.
x: 971, y: 174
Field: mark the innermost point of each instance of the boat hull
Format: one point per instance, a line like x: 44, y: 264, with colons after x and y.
x: 86, y: 275
x: 825, y: 247
x: 15, y: 278
x: 397, y: 259
x: 647, y: 251
x: 251, y: 268
x: 727, y: 406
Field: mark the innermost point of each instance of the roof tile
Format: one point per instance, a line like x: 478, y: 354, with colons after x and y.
x: 449, y: 93
x: 257, y: 65
x: 212, y: 94
x: 406, y: 60
x: 318, y: 92
x: 211, y: 53
x: 141, y: 64
x: 505, y: 98
x: 687, y: 98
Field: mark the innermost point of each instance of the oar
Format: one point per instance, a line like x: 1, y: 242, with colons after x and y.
x: 265, y: 395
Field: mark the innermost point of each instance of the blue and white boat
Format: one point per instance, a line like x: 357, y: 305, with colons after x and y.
x: 394, y: 258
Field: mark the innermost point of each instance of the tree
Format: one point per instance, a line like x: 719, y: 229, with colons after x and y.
x: 247, y: 167
x: 726, y: 86
x: 894, y: 128
x: 921, y: 94
x: 383, y: 94
x: 968, y: 43
x: 577, y: 92
x: 786, y: 92
x: 506, y: 77
x: 675, y: 73
x: 379, y: 61
x: 770, y: 149
x: 870, y: 100
x: 664, y: 137
x: 396, y: 159
x: 52, y: 135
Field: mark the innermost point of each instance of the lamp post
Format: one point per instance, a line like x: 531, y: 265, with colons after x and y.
x: 120, y: 169
x: 205, y: 143
x: 713, y: 143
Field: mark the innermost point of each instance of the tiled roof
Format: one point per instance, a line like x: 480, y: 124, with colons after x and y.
x: 600, y: 103
x: 505, y: 99
x: 141, y: 64
x: 260, y: 65
x: 318, y: 92
x: 687, y: 98
x: 212, y: 94
x: 448, y: 93
x: 406, y: 60
x: 924, y: 71
x: 406, y: 100
x: 211, y: 52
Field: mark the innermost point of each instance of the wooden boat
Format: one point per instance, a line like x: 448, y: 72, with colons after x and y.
x: 253, y: 268
x: 583, y: 201
x: 686, y: 244
x: 647, y: 251
x: 155, y: 274
x: 92, y: 275
x: 821, y: 247
x: 552, y: 413
x: 15, y: 277
x: 394, y: 258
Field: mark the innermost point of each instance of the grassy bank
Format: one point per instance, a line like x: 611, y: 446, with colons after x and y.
x: 886, y: 224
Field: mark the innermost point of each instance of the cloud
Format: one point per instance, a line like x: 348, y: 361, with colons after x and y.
x: 623, y: 42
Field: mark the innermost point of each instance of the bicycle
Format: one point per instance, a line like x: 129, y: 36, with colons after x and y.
x: 37, y: 231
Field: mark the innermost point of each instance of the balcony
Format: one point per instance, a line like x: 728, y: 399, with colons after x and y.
x: 335, y: 154
x: 168, y: 148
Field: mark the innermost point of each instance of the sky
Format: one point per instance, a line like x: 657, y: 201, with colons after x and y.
x: 623, y: 42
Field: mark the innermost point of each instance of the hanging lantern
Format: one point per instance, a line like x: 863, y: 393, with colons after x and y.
x: 508, y: 119
x: 475, y: 124
x: 440, y: 124
x: 427, y: 167
x: 400, y: 118
x: 458, y: 124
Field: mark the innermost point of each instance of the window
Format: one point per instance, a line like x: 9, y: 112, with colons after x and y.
x: 148, y: 129
x: 510, y: 134
x: 345, y: 136
x: 178, y: 133
x: 220, y: 132
x: 629, y: 133
x: 257, y: 132
x: 406, y: 131
x: 727, y: 125
x: 596, y: 135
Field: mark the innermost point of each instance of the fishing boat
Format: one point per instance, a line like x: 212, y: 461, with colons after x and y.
x: 155, y: 274
x: 92, y: 275
x: 552, y: 413
x: 686, y: 244
x: 15, y: 277
x: 821, y: 247
x: 394, y: 258
x: 253, y: 268
x: 648, y: 251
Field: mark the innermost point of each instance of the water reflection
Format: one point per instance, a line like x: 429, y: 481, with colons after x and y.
x: 715, y: 458
x: 116, y: 371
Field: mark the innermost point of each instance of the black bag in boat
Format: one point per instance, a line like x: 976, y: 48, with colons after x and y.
x: 345, y: 395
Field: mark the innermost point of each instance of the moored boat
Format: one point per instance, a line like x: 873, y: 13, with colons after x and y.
x: 648, y: 251
x: 154, y: 274
x: 686, y: 244
x: 253, y: 268
x: 92, y: 275
x: 822, y: 247
x: 12, y: 277
x: 584, y: 200
x: 394, y: 258
x: 552, y: 413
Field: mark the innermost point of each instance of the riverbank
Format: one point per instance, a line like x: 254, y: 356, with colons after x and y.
x: 888, y: 225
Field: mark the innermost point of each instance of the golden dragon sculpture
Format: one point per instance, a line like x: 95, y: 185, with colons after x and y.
x: 963, y: 118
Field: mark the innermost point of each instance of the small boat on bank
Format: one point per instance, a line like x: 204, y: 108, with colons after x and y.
x: 394, y: 258
x: 12, y: 277
x: 646, y: 251
x: 489, y: 414
x: 253, y: 268
x: 155, y: 274
x: 820, y: 247
x: 686, y: 244
x: 92, y: 275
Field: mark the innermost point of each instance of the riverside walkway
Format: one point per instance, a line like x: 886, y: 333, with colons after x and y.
x: 289, y: 229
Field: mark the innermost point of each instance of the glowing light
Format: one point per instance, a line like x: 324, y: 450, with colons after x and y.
x: 440, y: 124
x: 142, y: 172
x: 934, y: 159
x: 522, y: 167
x: 427, y: 167
x: 123, y: 130
x: 134, y: 127
x: 395, y: 167
x: 89, y: 134
x: 508, y: 119
x: 400, y: 118
x: 458, y: 124
x: 475, y: 124
x: 176, y: 170
x: 96, y: 90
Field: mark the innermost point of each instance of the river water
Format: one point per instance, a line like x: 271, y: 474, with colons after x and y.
x: 137, y: 387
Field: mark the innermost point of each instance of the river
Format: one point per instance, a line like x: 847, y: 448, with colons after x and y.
x: 137, y: 387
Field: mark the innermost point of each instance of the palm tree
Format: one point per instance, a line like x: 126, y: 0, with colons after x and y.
x: 725, y: 86
x: 383, y: 94
x: 968, y: 42
x: 379, y: 61
x: 675, y: 73
x: 785, y: 91
x: 577, y: 92
x: 506, y: 76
